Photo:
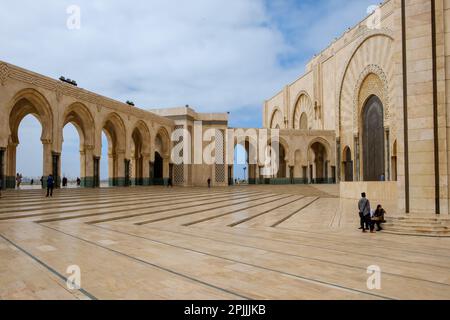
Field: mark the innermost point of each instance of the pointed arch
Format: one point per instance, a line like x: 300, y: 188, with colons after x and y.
x: 276, y: 121
x: 30, y: 101
x: 303, y: 112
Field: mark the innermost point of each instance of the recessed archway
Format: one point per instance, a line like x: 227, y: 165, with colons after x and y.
x: 373, y: 139
x: 318, y: 168
x: 161, y: 166
x: 140, y: 146
x: 114, y: 131
x: 78, y: 128
x: 348, y: 164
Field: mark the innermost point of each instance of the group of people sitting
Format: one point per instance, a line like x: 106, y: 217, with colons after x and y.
x: 370, y: 218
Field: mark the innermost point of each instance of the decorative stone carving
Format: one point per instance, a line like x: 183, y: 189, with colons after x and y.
x: 4, y: 73
x: 59, y: 91
x: 363, y: 37
x: 372, y: 81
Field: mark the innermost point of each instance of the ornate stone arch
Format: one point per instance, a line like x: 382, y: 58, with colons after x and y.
x: 144, y: 132
x: 364, y: 37
x: 322, y: 141
x: 371, y: 81
x: 80, y: 116
x: 30, y: 101
x: 163, y: 136
x: 114, y: 126
x: 277, y: 119
x: 304, y: 106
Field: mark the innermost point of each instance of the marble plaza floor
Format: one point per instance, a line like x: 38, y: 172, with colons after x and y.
x: 248, y: 242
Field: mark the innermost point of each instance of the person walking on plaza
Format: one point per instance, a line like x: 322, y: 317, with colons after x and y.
x: 209, y: 183
x: 364, y: 212
x: 42, y: 182
x: 78, y: 182
x: 64, y: 182
x: 50, y: 185
x: 32, y: 182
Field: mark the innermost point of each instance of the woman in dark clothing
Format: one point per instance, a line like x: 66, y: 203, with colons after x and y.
x: 378, y: 217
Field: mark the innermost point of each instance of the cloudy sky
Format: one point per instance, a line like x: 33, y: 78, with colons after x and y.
x: 216, y: 56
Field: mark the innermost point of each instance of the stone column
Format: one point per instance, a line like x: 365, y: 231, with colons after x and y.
x: 11, y: 166
x: 338, y: 163
x: 2, y: 168
x: 357, y: 162
x: 146, y: 169
x: 166, y: 165
x: 47, y: 160
x: 56, y: 168
x: 120, y: 168
x: 387, y: 174
x: 87, y: 167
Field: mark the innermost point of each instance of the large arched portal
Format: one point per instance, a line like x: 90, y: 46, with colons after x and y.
x: 373, y: 139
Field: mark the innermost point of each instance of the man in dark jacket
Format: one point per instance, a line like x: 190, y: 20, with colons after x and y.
x: 364, y: 212
x: 50, y: 185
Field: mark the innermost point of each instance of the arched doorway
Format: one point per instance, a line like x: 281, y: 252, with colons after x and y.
x: 348, y: 165
x: 373, y: 139
x: 282, y: 162
x: 29, y: 147
x: 319, y: 166
x: 240, y: 167
x: 70, y: 155
x: 158, y: 169
x: 161, y: 168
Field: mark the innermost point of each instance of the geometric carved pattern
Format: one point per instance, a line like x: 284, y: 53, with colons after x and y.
x: 374, y: 47
x: 220, y: 173
x: 220, y: 145
x: 303, y: 107
x: 178, y: 174
x: 372, y: 81
x: 4, y: 73
x: 178, y: 169
x: 11, y: 71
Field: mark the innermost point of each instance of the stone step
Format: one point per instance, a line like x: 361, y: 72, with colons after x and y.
x: 416, y: 226
x: 444, y: 234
